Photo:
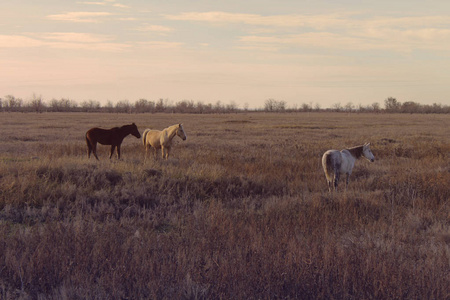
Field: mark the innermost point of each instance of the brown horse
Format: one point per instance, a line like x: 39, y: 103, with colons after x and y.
x: 113, y: 137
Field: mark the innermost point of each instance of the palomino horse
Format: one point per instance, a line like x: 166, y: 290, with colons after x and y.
x: 335, y: 162
x: 157, y: 139
x: 113, y: 137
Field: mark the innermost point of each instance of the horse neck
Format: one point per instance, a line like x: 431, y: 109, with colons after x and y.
x: 356, y: 152
x: 171, y: 132
x: 125, y: 130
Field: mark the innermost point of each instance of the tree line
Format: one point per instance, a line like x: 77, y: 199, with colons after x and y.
x: 10, y: 103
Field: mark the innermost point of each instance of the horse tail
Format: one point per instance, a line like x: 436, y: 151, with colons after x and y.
x: 144, y: 136
x: 89, y: 144
x: 328, y: 165
x: 87, y: 141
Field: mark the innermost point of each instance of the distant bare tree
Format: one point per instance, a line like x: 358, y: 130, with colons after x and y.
x: 62, y: 105
x: 12, y: 103
x: 391, y: 104
x: 317, y: 107
x: 109, y: 107
x: 274, y: 105
x: 54, y: 105
x: 206, y: 108
x: 218, y: 107
x: 90, y: 106
x: 337, y: 106
x: 376, y: 107
x: 37, y: 104
x: 349, y: 106
x: 232, y: 107
x: 185, y: 106
x: 269, y: 105
x: 410, y: 107
x: 123, y: 106
x: 143, y: 106
x: 306, y: 107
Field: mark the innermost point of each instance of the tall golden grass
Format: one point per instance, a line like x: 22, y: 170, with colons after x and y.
x: 241, y: 210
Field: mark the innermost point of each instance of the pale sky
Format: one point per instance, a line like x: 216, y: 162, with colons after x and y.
x: 241, y: 51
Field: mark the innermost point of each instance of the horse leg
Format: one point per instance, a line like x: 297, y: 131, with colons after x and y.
x: 88, y: 143
x: 163, y: 152
x: 146, y: 153
x: 112, y: 151
x: 336, y: 180
x: 94, y: 150
x: 118, y: 151
x: 89, y: 149
x: 149, y: 148
x: 346, y: 180
x: 167, y: 153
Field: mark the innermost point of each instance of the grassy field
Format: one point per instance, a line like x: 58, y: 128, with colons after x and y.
x: 241, y: 210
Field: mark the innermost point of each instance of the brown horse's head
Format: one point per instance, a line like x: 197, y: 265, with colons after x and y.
x: 134, y: 131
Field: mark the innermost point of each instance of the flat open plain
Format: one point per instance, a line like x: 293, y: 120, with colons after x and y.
x: 240, y: 210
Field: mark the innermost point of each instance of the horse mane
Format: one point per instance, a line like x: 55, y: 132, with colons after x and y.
x: 126, y: 126
x: 357, y: 151
x: 170, y: 128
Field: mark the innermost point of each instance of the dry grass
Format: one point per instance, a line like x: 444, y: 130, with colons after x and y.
x: 240, y: 211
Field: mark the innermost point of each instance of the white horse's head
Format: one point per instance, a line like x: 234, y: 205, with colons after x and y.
x: 367, y: 153
x: 181, y: 133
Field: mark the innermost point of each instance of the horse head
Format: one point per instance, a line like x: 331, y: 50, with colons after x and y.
x: 181, y: 133
x: 135, y: 131
x: 367, y: 153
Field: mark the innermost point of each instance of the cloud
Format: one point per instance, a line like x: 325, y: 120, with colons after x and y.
x: 294, y: 20
x: 154, y: 28
x: 319, y: 22
x: 384, y: 40
x: 120, y: 5
x: 79, y: 41
x: 408, y: 22
x: 307, y: 40
x: 82, y: 17
x: 159, y: 45
x: 104, y: 3
x: 339, y: 31
x: 18, y: 41
x: 102, y: 47
x: 64, y: 40
x: 92, y: 3
x: 76, y: 37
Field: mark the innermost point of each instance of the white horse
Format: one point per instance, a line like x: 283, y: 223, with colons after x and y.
x: 335, y: 162
x: 157, y: 139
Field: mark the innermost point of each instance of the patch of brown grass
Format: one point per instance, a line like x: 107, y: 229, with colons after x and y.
x: 240, y: 210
